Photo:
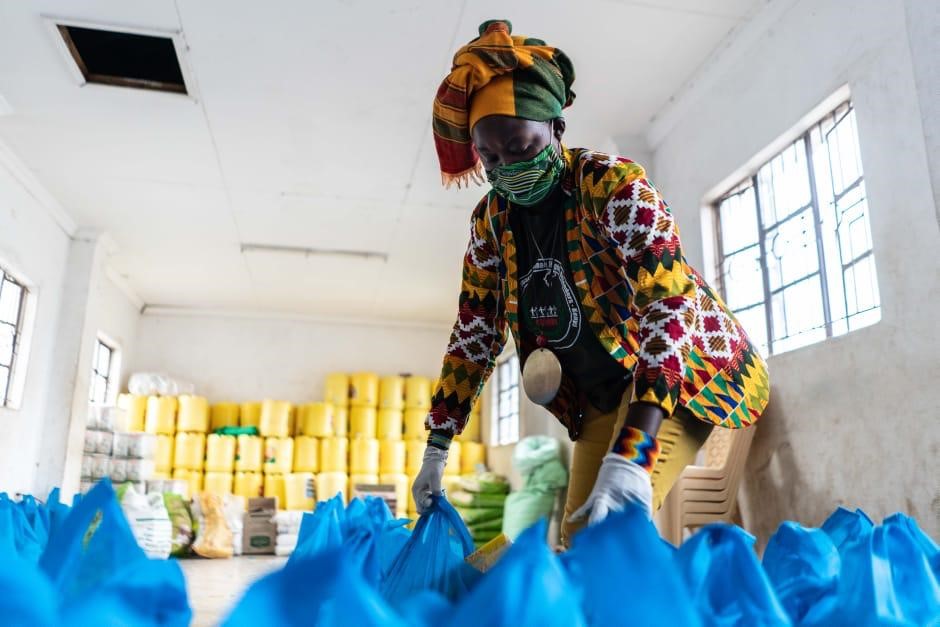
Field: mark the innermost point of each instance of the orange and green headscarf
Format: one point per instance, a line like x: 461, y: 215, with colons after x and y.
x: 497, y: 73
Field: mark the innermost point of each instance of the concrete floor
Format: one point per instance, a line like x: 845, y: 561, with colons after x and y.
x: 216, y: 585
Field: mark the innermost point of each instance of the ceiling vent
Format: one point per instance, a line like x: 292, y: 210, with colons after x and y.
x: 124, y: 59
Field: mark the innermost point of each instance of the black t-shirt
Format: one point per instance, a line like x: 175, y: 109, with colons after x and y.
x: 550, y: 312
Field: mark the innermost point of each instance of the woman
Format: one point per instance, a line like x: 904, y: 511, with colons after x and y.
x: 577, y: 256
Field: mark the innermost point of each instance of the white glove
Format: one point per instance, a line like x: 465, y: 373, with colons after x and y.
x: 428, y: 481
x: 619, y: 482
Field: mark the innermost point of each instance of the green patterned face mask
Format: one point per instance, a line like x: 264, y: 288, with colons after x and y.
x: 527, y: 183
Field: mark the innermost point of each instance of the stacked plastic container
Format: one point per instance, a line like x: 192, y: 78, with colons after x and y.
x: 189, y: 445
x: 111, y: 452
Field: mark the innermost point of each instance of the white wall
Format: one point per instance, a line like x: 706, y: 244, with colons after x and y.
x: 247, y: 358
x: 35, y: 247
x: 853, y: 420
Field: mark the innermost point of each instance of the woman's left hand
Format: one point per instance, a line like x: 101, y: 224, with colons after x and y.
x: 620, y: 481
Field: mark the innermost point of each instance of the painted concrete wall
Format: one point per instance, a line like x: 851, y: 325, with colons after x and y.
x: 35, y: 248
x: 246, y: 358
x: 854, y: 420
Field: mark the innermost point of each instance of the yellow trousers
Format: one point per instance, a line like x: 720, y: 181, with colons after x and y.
x: 680, y: 438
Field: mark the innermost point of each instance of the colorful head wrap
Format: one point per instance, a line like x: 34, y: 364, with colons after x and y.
x: 496, y: 74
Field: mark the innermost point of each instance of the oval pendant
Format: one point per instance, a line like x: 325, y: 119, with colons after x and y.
x: 541, y: 376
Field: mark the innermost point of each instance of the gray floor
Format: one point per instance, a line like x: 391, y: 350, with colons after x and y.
x: 216, y: 585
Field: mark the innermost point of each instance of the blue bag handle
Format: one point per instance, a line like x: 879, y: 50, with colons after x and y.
x: 441, y: 504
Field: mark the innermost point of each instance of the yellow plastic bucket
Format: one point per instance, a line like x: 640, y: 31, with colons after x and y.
x: 300, y: 491
x: 392, y: 456
x: 249, y: 485
x: 193, y: 479
x: 362, y: 422
x: 189, y: 451
x: 329, y: 484
x: 278, y: 455
x: 341, y: 421
x: 218, y: 483
x: 249, y: 453
x: 135, y: 408
x: 364, y: 389
x: 389, y: 424
x: 223, y: 415
x: 333, y: 454
x: 402, y: 488
x: 414, y: 455
x: 316, y: 420
x: 392, y: 392
x: 250, y: 414
x: 192, y: 414
x: 417, y: 392
x: 471, y: 454
x: 414, y: 424
x: 336, y: 390
x: 274, y: 487
x: 220, y: 453
x: 364, y: 456
x: 163, y: 453
x: 161, y: 415
x: 306, y: 454
x: 453, y: 459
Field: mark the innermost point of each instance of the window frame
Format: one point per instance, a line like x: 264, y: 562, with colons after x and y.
x: 500, y: 436
x: 9, y: 398
x: 832, y: 116
x: 112, y: 374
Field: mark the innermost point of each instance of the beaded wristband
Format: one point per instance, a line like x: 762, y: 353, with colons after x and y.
x: 638, y: 447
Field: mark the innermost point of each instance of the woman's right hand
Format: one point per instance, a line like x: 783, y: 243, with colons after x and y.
x: 428, y: 481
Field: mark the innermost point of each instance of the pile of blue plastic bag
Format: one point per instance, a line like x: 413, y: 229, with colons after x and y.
x: 357, y: 565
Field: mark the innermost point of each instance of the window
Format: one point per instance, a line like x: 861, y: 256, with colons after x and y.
x: 12, y: 308
x: 795, y: 259
x: 101, y: 375
x: 506, y: 402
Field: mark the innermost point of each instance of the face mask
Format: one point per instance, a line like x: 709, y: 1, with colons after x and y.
x: 528, y: 182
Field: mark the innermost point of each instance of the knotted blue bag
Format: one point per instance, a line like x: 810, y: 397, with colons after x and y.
x: 726, y: 582
x: 803, y: 566
x: 321, y: 530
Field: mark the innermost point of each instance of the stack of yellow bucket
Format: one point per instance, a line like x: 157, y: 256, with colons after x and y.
x: 275, y: 428
x: 314, y: 424
x: 418, y: 391
x: 189, y: 448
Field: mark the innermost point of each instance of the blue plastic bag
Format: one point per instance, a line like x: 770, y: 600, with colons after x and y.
x: 624, y: 554
x: 28, y: 540
x: 433, y: 557
x: 528, y: 587
x: 803, y: 566
x: 845, y: 526
x: 324, y: 589
x: 26, y: 597
x: 726, y: 582
x: 321, y: 530
x: 100, y: 574
x: 373, y: 537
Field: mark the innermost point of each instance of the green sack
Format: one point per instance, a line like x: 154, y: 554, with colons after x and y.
x: 470, y: 499
x: 486, y: 527
x: 236, y: 431
x: 485, y: 483
x: 474, y: 515
x: 182, y: 520
x: 482, y: 537
x: 525, y: 508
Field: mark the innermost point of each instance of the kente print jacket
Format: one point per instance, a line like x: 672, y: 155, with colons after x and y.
x: 651, y: 310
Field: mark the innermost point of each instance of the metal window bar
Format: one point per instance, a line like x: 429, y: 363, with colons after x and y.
x: 16, y: 324
x: 98, y: 375
x: 837, y: 116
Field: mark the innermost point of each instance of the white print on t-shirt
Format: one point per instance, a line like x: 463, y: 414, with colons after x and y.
x: 552, y: 308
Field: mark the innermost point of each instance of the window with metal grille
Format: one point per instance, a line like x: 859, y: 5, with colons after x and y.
x: 795, y: 258
x: 101, y: 374
x: 506, y: 402
x: 12, y: 307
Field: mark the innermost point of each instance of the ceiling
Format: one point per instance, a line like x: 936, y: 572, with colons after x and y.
x: 309, y: 126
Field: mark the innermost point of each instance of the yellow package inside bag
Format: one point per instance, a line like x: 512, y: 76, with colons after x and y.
x: 278, y: 455
x: 364, y: 456
x: 250, y: 414
x: 214, y: 538
x: 189, y: 451
x: 333, y: 455
x: 306, y: 454
x: 329, y: 484
x: 392, y: 392
x: 418, y: 392
x: 336, y: 390
x: 220, y: 453
x: 192, y: 414
x: 389, y: 424
x: 364, y: 389
x: 275, y: 419
x: 392, y: 456
x: 362, y: 422
x: 316, y: 420
x: 223, y: 415
x: 414, y: 424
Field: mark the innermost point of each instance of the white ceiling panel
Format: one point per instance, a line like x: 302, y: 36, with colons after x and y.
x: 309, y: 127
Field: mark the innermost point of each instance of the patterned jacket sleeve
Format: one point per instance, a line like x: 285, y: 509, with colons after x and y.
x: 641, y: 225
x: 478, y: 334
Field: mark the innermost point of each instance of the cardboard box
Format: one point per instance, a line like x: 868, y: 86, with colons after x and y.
x: 384, y: 491
x: 260, y: 531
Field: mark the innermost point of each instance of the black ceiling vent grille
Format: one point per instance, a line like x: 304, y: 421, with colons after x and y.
x: 124, y: 59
